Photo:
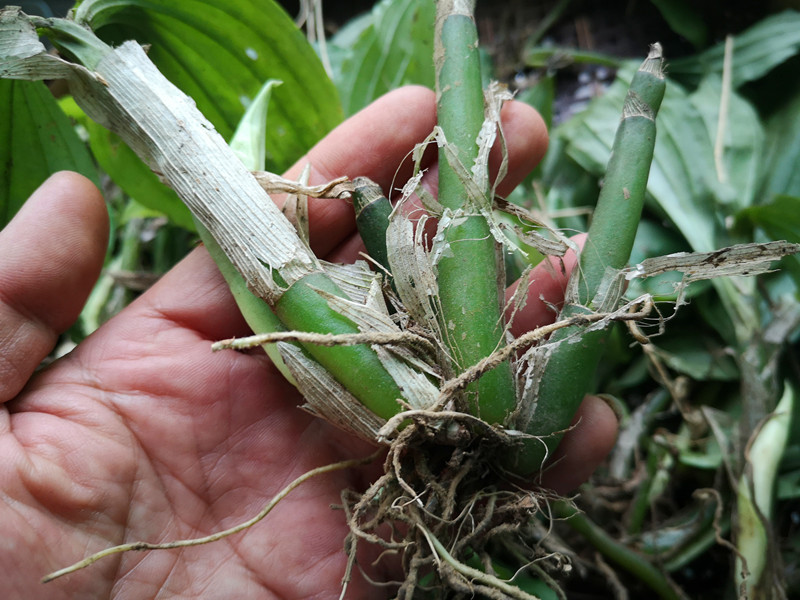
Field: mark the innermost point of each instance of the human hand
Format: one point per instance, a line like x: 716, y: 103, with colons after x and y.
x: 141, y: 433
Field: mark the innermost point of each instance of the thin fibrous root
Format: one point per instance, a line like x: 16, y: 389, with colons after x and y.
x: 490, y: 362
x: 323, y: 339
x: 139, y: 546
x: 471, y: 574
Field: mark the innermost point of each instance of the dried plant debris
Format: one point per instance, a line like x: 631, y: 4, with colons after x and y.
x: 742, y: 260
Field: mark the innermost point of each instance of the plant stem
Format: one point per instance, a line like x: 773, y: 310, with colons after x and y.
x: 571, y: 365
x: 628, y: 559
x: 257, y: 314
x: 358, y: 368
x: 372, y: 218
x: 469, y: 288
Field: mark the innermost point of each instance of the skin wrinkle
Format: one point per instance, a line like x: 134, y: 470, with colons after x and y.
x: 213, y: 503
x: 11, y: 371
x: 82, y: 493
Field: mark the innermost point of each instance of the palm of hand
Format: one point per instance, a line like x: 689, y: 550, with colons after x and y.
x: 142, y: 434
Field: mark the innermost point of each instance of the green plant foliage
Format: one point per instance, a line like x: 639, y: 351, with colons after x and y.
x: 37, y: 140
x: 782, y: 175
x: 684, y: 20
x: 780, y: 220
x: 249, y: 139
x: 756, y: 51
x: 389, y: 48
x: 221, y: 55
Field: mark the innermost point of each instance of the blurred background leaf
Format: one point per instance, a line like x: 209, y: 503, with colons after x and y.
x: 389, y: 47
x: 756, y: 51
x: 222, y: 55
x: 38, y: 140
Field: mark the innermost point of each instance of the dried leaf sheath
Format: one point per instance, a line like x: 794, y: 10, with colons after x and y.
x: 126, y: 93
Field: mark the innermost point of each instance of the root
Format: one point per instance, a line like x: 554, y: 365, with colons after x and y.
x: 447, y: 508
x: 139, y: 546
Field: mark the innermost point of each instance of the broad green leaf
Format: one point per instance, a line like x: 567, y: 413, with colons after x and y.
x: 698, y: 355
x: 779, y: 218
x: 37, y: 140
x: 220, y: 54
x: 737, y: 171
x: 782, y: 175
x: 394, y: 49
x: 340, y: 46
x: 756, y: 51
x: 682, y: 178
x: 684, y: 20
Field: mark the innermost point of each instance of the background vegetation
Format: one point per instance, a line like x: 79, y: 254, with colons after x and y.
x: 725, y: 172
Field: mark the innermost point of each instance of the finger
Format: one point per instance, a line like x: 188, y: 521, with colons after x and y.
x: 583, y: 447
x: 50, y: 256
x: 526, y: 142
x: 526, y: 139
x: 373, y: 143
x: 547, y: 284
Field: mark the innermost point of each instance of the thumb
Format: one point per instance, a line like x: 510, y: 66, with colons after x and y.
x: 50, y: 256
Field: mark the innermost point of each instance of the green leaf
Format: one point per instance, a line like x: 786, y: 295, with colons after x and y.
x: 394, y: 49
x: 684, y: 20
x: 756, y: 51
x: 249, y: 139
x: 221, y: 54
x: 698, y: 355
x: 782, y: 175
x: 737, y: 172
x: 779, y: 218
x: 36, y: 140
